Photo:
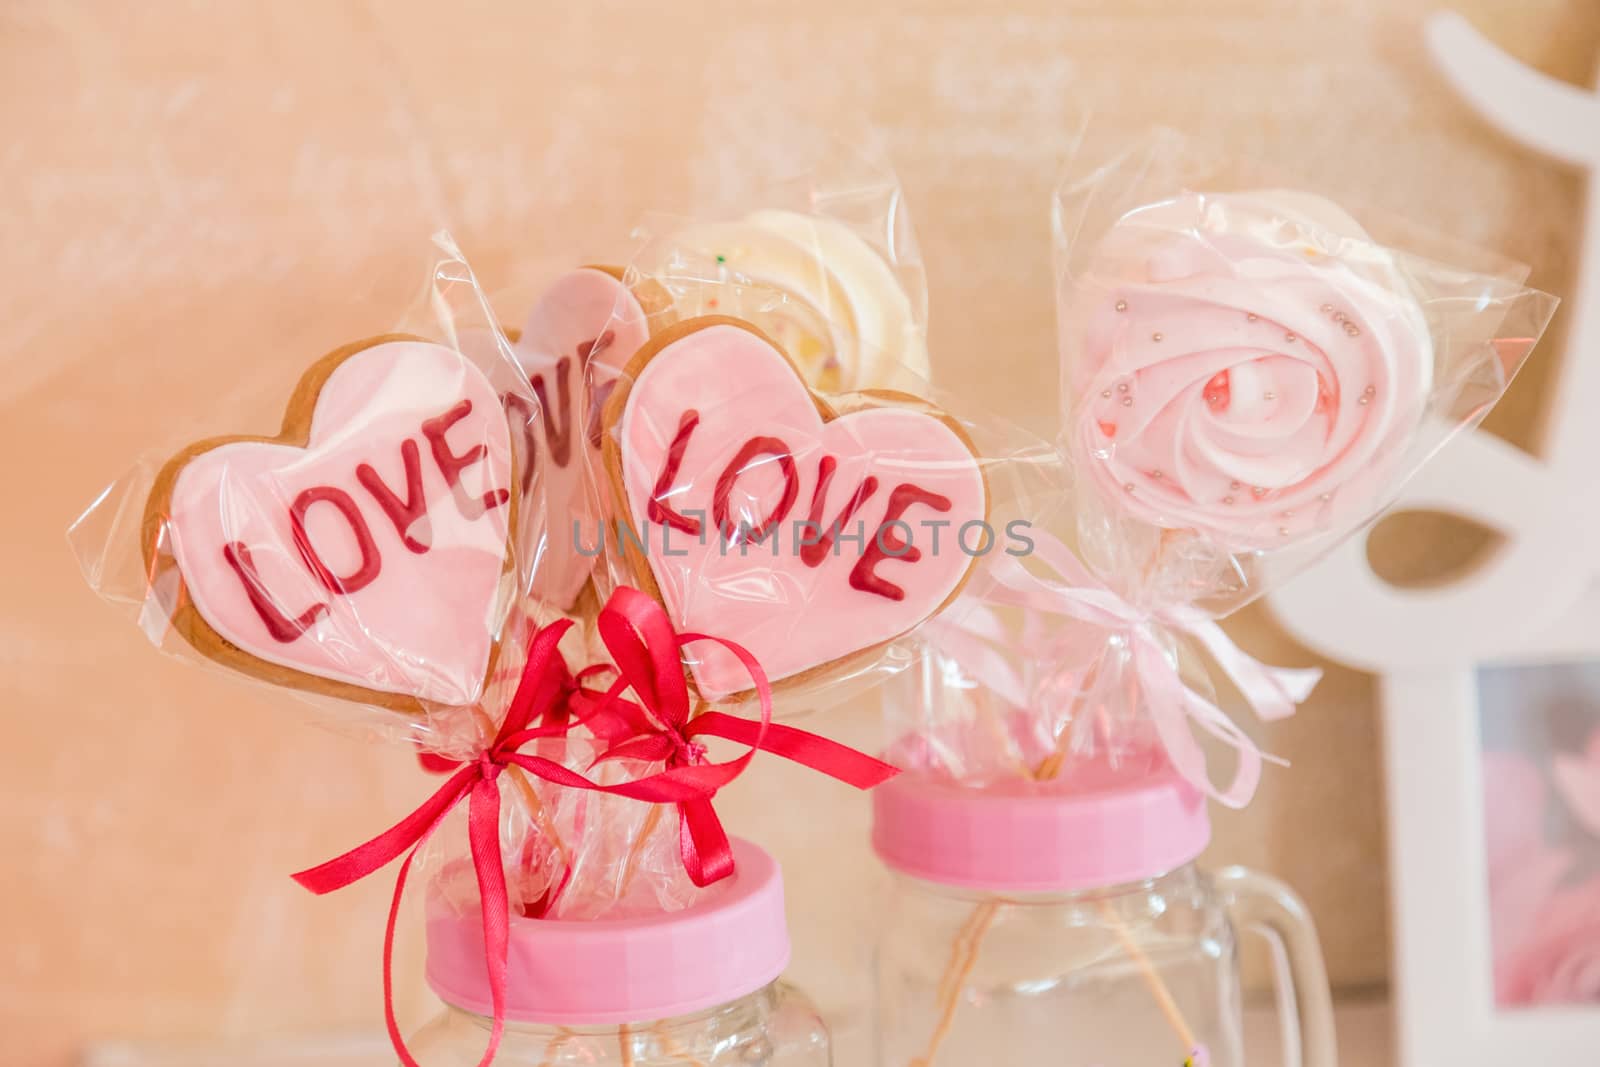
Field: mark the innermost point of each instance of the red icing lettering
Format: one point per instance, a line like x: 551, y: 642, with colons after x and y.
x: 862, y: 575
x: 451, y: 465
x: 370, y: 561
x: 557, y: 419
x: 814, y: 551
x: 515, y: 402
x: 753, y: 448
x: 282, y: 628
x: 588, y: 350
x: 405, y: 514
x: 657, y: 511
x: 602, y: 393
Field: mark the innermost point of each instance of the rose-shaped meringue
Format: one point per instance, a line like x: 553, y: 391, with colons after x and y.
x: 1248, y: 366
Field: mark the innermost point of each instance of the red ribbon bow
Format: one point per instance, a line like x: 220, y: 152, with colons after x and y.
x: 658, y: 727
x: 661, y: 728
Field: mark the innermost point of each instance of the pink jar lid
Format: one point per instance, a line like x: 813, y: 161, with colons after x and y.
x: 603, y: 972
x: 1029, y: 837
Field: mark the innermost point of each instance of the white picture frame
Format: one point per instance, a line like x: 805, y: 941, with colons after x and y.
x: 1535, y: 600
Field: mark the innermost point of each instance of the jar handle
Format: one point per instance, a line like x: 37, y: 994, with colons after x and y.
x: 1266, y: 906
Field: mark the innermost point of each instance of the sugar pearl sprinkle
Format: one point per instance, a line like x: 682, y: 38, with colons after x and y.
x: 1156, y: 337
x: 1342, y: 320
x: 1122, y: 305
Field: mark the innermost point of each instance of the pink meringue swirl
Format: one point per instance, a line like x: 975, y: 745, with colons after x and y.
x: 1245, y: 369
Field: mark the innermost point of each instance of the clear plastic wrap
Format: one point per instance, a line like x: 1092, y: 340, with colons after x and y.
x: 842, y: 294
x: 814, y: 528
x: 393, y: 554
x: 375, y: 555
x: 392, y: 564
x: 776, y: 455
x: 1248, y: 376
x: 576, y: 853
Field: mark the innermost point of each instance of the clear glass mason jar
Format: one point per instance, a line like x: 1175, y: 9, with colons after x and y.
x: 1028, y: 928
x: 692, y: 988
x: 776, y: 1025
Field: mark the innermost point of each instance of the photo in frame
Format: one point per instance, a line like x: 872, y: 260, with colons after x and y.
x: 1456, y: 661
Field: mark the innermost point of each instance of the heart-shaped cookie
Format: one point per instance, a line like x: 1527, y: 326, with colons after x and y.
x: 758, y: 512
x: 584, y: 329
x: 362, y: 551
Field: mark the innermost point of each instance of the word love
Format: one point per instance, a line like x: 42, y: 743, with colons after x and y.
x: 558, y: 412
x: 576, y: 340
x: 815, y: 546
x: 408, y: 513
x: 361, y: 553
x: 716, y: 437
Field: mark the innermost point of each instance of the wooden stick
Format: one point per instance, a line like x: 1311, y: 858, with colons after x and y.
x: 625, y: 1042
x: 537, y: 811
x: 673, y: 1046
x: 1152, y: 978
x: 964, y: 951
x: 630, y: 861
x: 563, y: 1038
x: 957, y: 948
x: 962, y: 961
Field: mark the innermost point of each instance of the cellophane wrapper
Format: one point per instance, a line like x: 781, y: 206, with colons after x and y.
x: 999, y: 695
x: 820, y: 265
x: 573, y: 854
x: 1249, y: 373
x: 569, y: 853
x: 1251, y: 369
x: 813, y: 248
x: 418, y: 622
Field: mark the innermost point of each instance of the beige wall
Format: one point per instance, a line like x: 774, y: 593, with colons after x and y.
x: 195, y: 199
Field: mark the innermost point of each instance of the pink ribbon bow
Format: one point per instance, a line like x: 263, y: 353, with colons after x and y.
x: 640, y: 636
x: 1072, y: 591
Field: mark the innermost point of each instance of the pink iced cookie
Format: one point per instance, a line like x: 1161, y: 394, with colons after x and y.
x: 760, y: 514
x: 360, y: 552
x: 1248, y: 366
x: 583, y: 330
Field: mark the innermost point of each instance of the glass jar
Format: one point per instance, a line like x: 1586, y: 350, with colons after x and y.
x: 1028, y: 927
x: 775, y: 1025
x: 692, y: 987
